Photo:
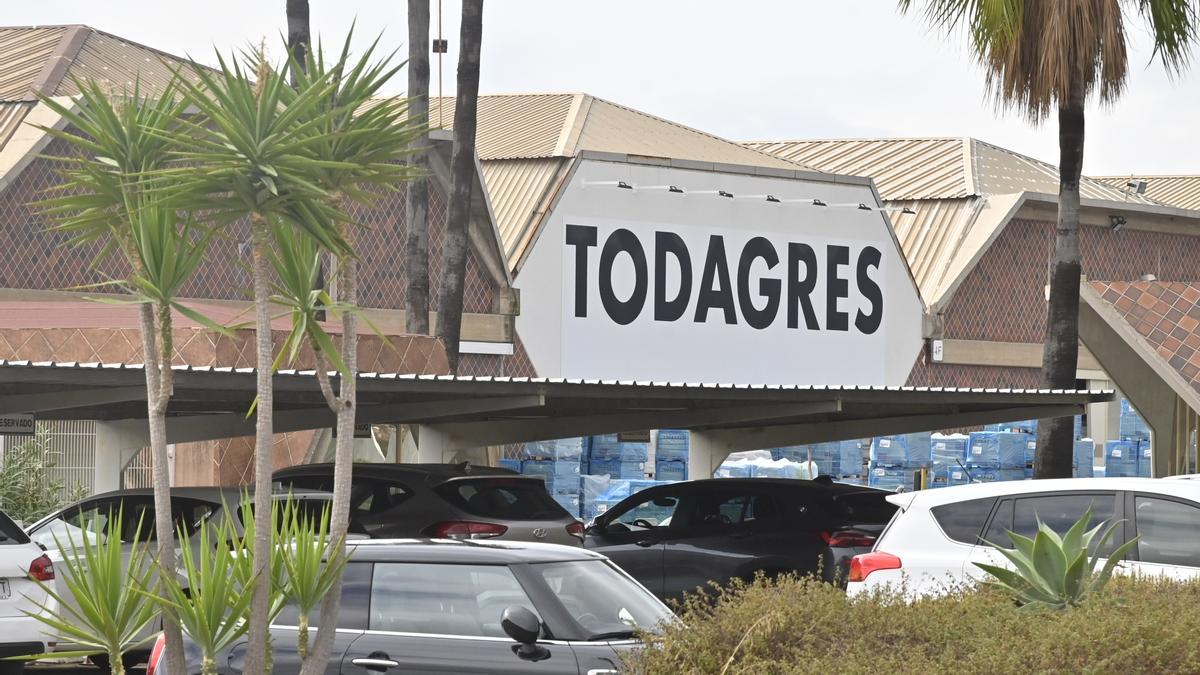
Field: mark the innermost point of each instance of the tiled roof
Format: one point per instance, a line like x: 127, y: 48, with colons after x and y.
x: 1166, y: 315
x: 1180, y: 191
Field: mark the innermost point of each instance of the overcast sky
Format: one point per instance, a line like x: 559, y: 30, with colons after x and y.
x: 747, y: 70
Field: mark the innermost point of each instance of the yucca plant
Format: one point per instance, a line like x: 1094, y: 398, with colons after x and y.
x: 310, y: 572
x: 212, y: 604
x: 1057, y: 572
x: 106, y: 608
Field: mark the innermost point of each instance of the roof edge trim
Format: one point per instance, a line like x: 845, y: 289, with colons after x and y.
x: 722, y: 167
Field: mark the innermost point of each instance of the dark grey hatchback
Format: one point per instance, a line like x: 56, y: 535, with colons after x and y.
x: 423, y: 606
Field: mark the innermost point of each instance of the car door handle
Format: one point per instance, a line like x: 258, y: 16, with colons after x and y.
x: 376, y: 663
x: 646, y: 543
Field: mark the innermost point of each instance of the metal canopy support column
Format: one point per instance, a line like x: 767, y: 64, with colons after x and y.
x: 705, y: 453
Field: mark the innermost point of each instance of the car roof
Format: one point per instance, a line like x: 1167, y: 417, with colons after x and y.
x: 216, y: 495
x: 834, y: 488
x: 428, y: 472
x: 464, y: 551
x: 959, y: 493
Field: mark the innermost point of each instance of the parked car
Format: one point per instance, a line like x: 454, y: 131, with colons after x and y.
x: 22, y: 564
x: 456, y: 501
x: 191, y: 508
x: 937, y: 536
x: 470, y: 607
x: 676, y: 538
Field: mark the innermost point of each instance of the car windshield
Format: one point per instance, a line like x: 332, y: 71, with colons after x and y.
x: 505, y: 498
x: 602, y: 600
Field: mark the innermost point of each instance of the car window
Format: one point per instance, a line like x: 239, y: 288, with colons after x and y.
x: 963, y: 521
x: 1160, y: 523
x: 356, y: 593
x: 601, y: 599
x: 89, y: 520
x: 864, y: 507
x: 726, y: 511
x: 10, y: 533
x: 1061, y: 511
x: 654, y: 511
x: 443, y: 599
x: 997, y: 532
x: 504, y: 498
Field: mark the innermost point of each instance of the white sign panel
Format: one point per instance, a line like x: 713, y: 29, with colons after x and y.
x: 706, y: 285
x: 17, y: 425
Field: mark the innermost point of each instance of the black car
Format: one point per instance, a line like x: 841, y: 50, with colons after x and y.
x: 675, y: 538
x: 450, y: 501
x: 470, y: 607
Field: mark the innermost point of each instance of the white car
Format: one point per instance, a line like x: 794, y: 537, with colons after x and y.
x: 22, y: 564
x: 936, y: 537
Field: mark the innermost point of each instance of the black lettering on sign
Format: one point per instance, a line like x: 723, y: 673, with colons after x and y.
x: 623, y: 241
x: 836, y: 288
x: 581, y: 237
x: 758, y: 247
x: 716, y: 270
x: 669, y: 243
x: 869, y: 323
x: 800, y: 289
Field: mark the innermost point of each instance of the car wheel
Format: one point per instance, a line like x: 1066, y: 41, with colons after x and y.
x: 128, y: 660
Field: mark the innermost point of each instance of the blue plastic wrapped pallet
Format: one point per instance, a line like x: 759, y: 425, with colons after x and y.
x: 670, y: 470
x: 570, y: 502
x: 732, y: 470
x: 1133, y: 427
x: 611, y: 447
x: 617, y: 469
x: 511, y: 464
x: 671, y: 445
x: 989, y: 474
x: 851, y: 462
x: 1078, y: 426
x: 561, y: 476
x: 1145, y: 459
x: 889, y: 477
x: 828, y: 456
x: 1084, y: 458
x: 1121, y: 458
x: 948, y: 449
x: 562, y: 448
x: 910, y: 450
x: 998, y: 449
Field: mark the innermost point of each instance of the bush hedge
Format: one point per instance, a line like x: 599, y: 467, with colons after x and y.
x: 793, y: 625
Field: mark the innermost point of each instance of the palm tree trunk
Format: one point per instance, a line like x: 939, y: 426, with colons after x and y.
x: 157, y: 350
x: 259, y: 633
x: 299, y: 33
x: 343, y: 461
x: 416, y: 263
x: 462, y: 172
x: 1061, y: 353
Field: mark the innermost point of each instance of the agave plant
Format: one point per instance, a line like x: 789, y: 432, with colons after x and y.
x: 311, y: 572
x: 1057, y: 572
x: 106, y: 608
x: 212, y: 605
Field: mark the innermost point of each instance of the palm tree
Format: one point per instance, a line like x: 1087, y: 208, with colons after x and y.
x: 1047, y: 56
x: 364, y: 141
x: 462, y: 177
x: 112, y: 200
x: 250, y: 159
x: 416, y: 255
x: 299, y: 33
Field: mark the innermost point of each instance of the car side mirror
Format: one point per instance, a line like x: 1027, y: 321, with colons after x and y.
x: 523, y: 626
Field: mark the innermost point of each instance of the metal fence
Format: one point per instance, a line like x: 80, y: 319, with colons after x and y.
x: 70, y: 447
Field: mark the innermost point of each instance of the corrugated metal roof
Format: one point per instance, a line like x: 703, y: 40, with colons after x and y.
x: 11, y: 117
x: 902, y: 168
x: 108, y: 58
x: 931, y: 236
x: 519, y: 189
x: 512, y: 126
x: 531, y: 126
x: 1179, y: 191
x: 936, y: 168
x: 24, y: 52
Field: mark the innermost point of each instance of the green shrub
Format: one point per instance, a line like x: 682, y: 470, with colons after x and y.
x: 28, y: 488
x: 803, y: 626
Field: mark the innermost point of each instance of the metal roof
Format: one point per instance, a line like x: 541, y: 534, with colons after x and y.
x: 1180, y: 191
x: 494, y: 410
x: 520, y: 191
x: 24, y: 53
x: 936, y: 168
